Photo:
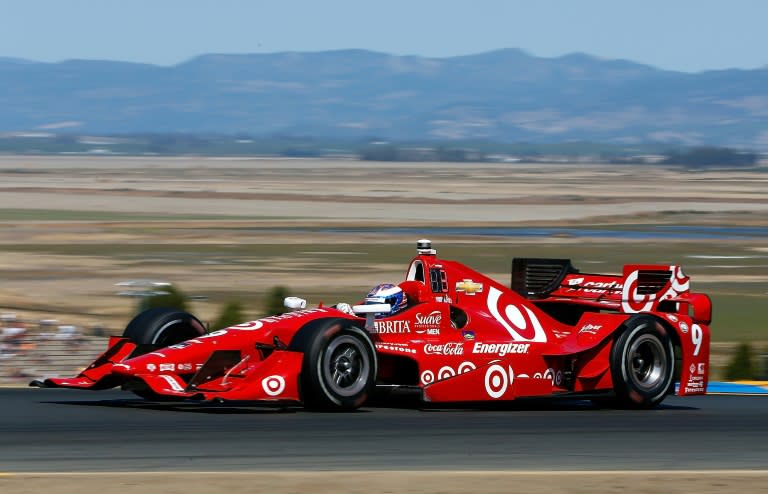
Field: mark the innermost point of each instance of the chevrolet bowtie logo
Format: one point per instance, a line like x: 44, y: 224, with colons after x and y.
x: 469, y: 287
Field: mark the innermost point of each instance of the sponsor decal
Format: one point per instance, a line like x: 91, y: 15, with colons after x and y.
x: 672, y: 317
x: 179, y: 346
x: 522, y: 325
x: 680, y: 282
x: 445, y: 373
x: 590, y: 328
x: 468, y: 335
x: 427, y: 377
x: 695, y: 384
x: 692, y: 368
x: 250, y: 326
x: 702, y: 368
x: 395, y: 347
x: 273, y: 385
x: 593, y: 286
x: 683, y: 327
x: 550, y: 374
x: 453, y: 348
x: 256, y: 325
x: 500, y: 349
x: 497, y: 380
x: 558, y: 378
x: 151, y: 367
x: 432, y: 331
x: 167, y: 367
x: 184, y: 367
x: 282, y: 317
x: 212, y: 335
x: 633, y: 302
x: 547, y: 374
x: 173, y: 383
x: 429, y: 323
x: 391, y: 327
x: 466, y: 367
x: 469, y: 287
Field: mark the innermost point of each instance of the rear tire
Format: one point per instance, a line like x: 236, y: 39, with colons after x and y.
x: 339, y: 368
x: 642, y: 364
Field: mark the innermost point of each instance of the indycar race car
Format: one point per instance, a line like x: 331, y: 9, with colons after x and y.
x: 463, y: 337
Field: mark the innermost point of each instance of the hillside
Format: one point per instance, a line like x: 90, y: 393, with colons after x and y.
x: 504, y: 95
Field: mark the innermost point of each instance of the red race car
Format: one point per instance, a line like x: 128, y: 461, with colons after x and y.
x: 447, y: 330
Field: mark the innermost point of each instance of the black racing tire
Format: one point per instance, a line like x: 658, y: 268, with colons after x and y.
x: 160, y: 328
x: 339, y: 367
x: 642, y: 364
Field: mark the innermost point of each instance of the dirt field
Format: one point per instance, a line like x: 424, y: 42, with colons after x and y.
x: 72, y: 226
x: 353, y: 191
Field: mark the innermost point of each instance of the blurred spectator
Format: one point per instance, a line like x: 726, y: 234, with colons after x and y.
x: 12, y: 336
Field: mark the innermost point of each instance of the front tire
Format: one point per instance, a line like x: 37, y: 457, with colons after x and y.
x: 159, y: 328
x: 642, y: 364
x: 339, y: 368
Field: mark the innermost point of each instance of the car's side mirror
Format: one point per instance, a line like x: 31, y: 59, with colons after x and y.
x: 294, y: 303
x: 371, y: 309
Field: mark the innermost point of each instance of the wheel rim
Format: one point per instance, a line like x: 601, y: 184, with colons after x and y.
x: 346, y: 366
x: 647, y: 362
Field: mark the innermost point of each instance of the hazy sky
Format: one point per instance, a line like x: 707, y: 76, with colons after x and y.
x: 687, y: 35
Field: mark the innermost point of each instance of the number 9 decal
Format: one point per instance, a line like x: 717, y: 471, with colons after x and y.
x: 697, y: 335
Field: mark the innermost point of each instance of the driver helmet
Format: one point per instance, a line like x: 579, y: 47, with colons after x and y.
x: 387, y: 293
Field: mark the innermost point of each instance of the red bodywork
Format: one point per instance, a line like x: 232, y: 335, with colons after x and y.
x: 464, y: 337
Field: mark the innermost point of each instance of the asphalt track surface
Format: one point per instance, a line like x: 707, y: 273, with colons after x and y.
x: 46, y: 430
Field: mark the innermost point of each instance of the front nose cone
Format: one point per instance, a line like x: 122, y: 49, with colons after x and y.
x: 123, y: 369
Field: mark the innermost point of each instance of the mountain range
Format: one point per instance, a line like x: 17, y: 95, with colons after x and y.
x: 505, y: 95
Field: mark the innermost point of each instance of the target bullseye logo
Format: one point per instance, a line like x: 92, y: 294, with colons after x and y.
x: 680, y: 282
x: 550, y: 374
x: 445, y: 373
x: 427, y: 377
x: 466, y: 367
x: 250, y: 326
x: 273, y: 385
x: 632, y: 301
x: 521, y: 323
x: 497, y: 380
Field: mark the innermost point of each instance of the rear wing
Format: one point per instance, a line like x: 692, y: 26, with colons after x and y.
x: 640, y: 288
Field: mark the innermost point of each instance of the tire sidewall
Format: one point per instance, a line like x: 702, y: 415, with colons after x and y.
x: 627, y: 392
x: 316, y: 393
x: 158, y: 328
